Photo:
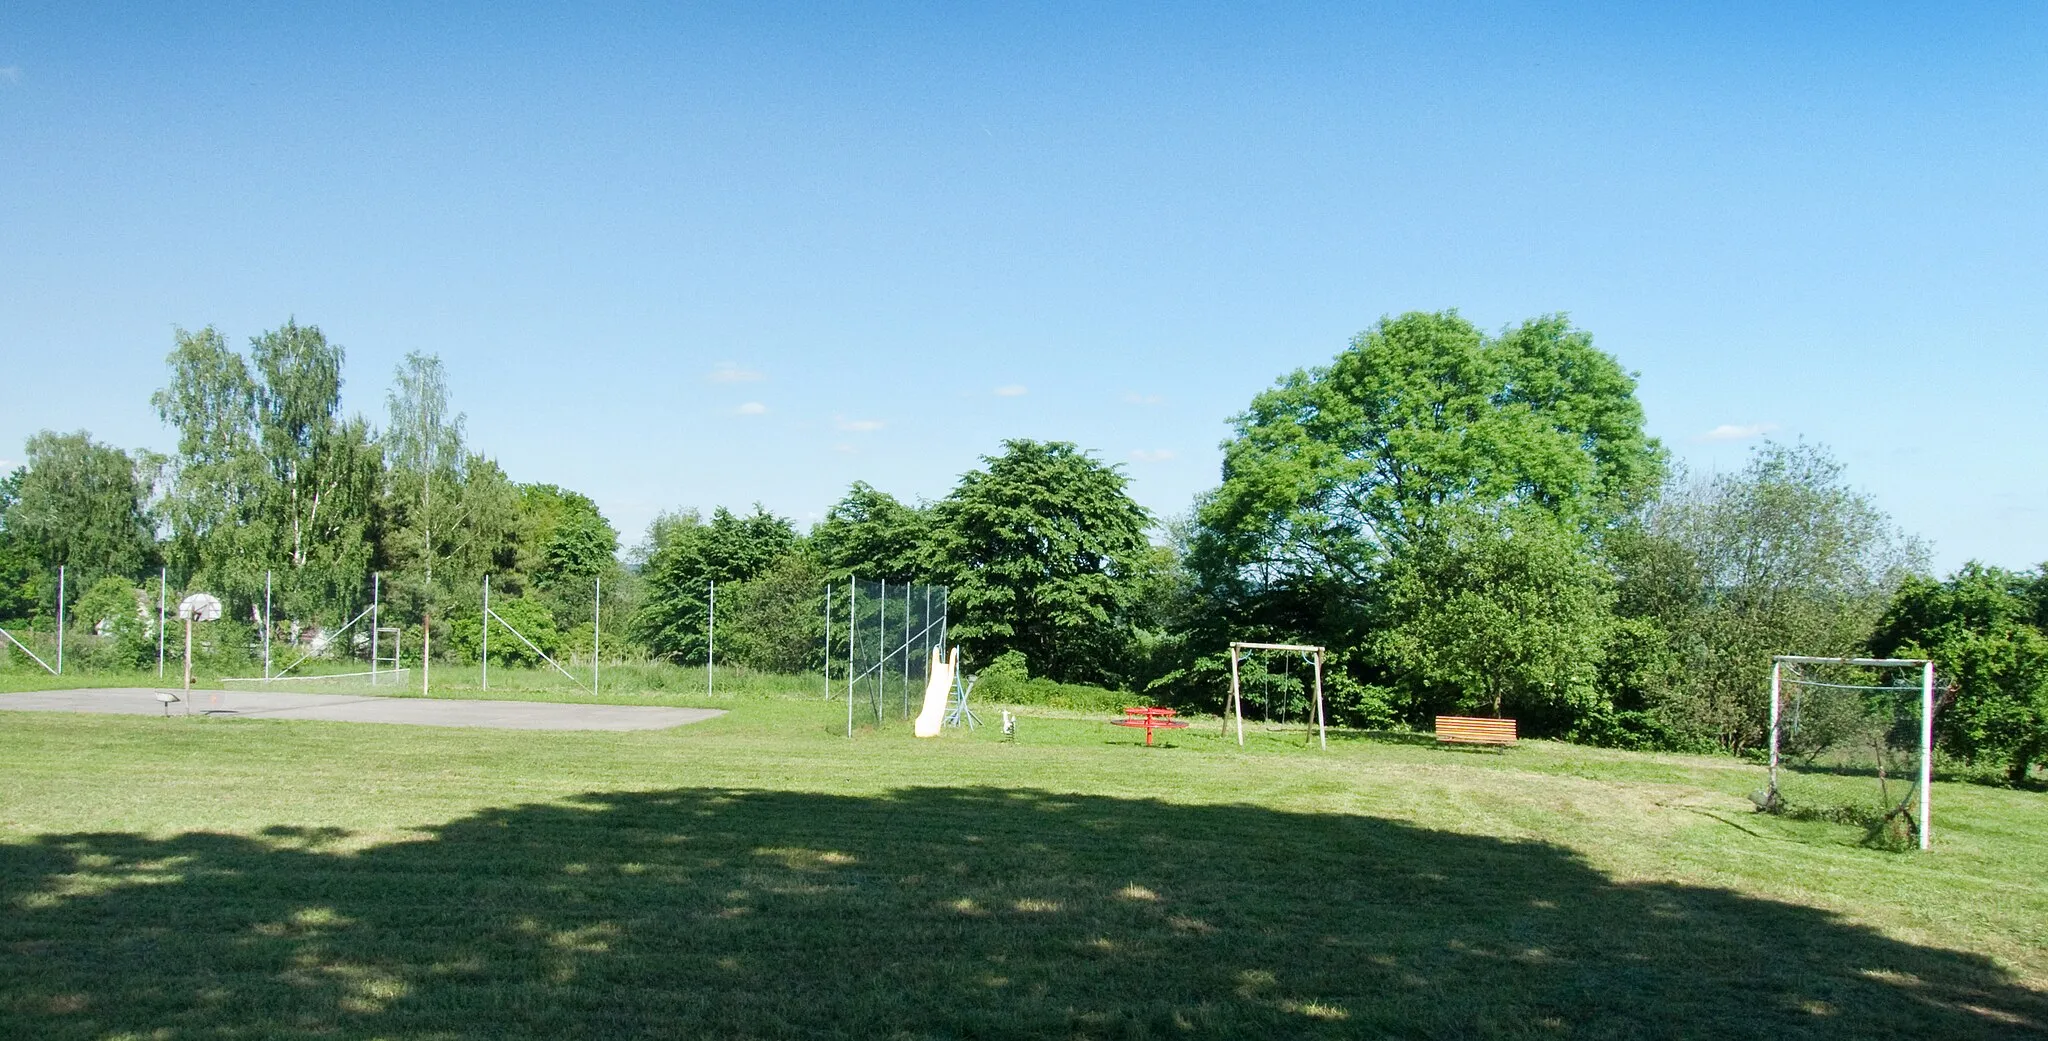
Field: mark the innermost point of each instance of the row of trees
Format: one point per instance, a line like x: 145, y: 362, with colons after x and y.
x: 1469, y: 522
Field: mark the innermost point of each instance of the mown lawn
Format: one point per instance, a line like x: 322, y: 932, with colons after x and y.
x: 760, y: 875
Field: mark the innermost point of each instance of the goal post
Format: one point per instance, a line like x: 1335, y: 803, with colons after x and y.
x: 1239, y: 649
x: 1835, y: 743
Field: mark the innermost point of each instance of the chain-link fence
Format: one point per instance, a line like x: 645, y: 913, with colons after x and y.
x: 879, y: 643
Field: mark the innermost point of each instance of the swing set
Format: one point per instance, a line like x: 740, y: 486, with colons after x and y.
x: 1240, y: 650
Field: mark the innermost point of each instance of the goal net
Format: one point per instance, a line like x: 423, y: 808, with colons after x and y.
x: 886, y: 633
x: 1852, y: 742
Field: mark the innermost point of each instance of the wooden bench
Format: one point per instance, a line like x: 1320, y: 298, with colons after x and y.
x: 1474, y: 730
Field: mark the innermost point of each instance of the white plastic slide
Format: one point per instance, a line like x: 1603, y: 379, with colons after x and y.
x: 935, y: 694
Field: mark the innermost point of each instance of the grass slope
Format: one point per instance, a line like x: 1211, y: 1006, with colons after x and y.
x: 761, y: 876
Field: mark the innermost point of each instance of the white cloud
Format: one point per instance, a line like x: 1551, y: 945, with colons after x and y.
x: 860, y: 426
x: 10, y: 73
x: 843, y: 447
x: 1734, y: 432
x: 752, y: 408
x: 730, y: 372
x: 1143, y: 399
x: 1151, y: 455
x: 1012, y: 390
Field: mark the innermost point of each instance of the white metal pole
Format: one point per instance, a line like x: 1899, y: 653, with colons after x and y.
x: 188, y: 662
x: 906, y: 650
x: 266, y: 624
x: 1777, y: 685
x: 162, y: 594
x: 376, y: 582
x: 1322, y: 729
x: 852, y: 595
x: 60, y: 620
x: 1236, y: 704
x: 710, y: 635
x: 486, y: 655
x: 1926, y: 754
x: 596, y: 605
x: 426, y: 647
x: 828, y: 641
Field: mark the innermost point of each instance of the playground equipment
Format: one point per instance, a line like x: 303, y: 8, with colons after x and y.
x: 1237, y: 652
x: 1150, y: 718
x: 936, y: 691
x: 199, y: 607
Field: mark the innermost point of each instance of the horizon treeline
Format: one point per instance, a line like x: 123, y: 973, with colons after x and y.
x: 1468, y: 522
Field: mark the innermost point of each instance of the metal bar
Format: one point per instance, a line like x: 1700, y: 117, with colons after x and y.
x: 1926, y: 755
x: 710, y: 635
x: 1847, y: 686
x: 1777, y: 685
x: 162, y: 592
x: 376, y: 621
x: 266, y: 623
x: 1301, y: 647
x: 828, y: 641
x: 543, y: 654
x: 1801, y: 659
x: 486, y: 655
x: 24, y: 649
x: 60, y: 621
x: 906, y: 652
x: 852, y: 594
x: 596, y: 605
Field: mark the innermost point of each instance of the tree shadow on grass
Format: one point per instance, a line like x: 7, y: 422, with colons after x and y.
x: 929, y: 913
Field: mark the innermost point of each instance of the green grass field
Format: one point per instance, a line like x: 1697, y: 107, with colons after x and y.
x: 760, y: 875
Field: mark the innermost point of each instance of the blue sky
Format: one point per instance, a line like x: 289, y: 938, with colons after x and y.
x: 686, y: 255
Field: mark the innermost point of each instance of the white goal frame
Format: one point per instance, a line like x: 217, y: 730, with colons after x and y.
x: 1237, y: 651
x: 1926, y: 667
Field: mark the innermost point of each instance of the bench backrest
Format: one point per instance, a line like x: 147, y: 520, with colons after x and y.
x: 1475, y: 729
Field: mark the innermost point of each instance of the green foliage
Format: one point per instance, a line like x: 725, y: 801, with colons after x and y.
x: 81, y: 505
x: 119, y: 622
x: 871, y: 535
x: 459, y: 633
x: 1040, y: 551
x: 1782, y: 557
x: 683, y: 556
x: 1979, y: 627
x: 774, y: 621
x: 1503, y: 611
x: 1335, y: 469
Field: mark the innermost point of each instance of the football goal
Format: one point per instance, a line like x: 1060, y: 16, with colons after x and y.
x: 1852, y: 741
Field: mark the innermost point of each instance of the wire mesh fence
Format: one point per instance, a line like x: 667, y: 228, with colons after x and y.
x: 879, y: 642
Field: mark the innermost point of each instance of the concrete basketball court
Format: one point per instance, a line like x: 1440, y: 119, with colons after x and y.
x: 357, y: 708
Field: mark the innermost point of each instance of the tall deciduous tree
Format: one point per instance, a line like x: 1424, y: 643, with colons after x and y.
x: 1783, y: 557
x: 684, y: 555
x: 871, y: 534
x: 322, y: 472
x: 1043, y: 550
x: 82, y: 505
x: 217, y: 491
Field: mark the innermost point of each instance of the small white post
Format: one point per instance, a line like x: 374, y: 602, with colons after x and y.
x: 486, y: 655
x: 60, y: 619
x: 163, y: 587
x: 266, y: 625
x: 1236, y: 704
x: 1771, y: 791
x: 596, y: 603
x: 710, y: 635
x: 376, y: 583
x: 1926, y: 754
x: 1322, y: 731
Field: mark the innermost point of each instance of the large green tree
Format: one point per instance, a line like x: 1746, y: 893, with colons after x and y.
x: 1042, y: 550
x: 1335, y: 469
x: 1980, y: 628
x: 81, y: 505
x: 214, y: 510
